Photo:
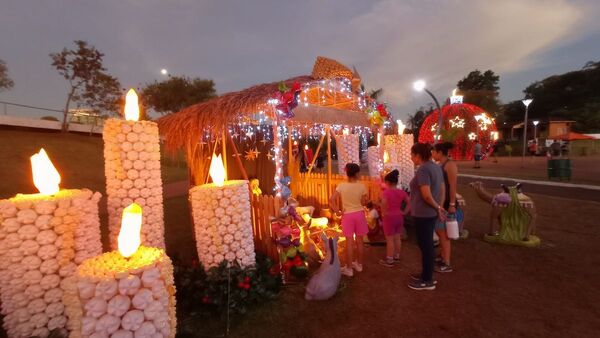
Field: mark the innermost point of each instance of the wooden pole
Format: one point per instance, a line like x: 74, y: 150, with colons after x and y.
x: 312, y: 163
x: 328, y: 131
x: 237, y: 158
x: 224, y: 152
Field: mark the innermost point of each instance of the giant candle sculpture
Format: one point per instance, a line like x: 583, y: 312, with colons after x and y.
x: 398, y: 149
x: 222, y: 219
x: 124, y: 293
x: 374, y: 161
x: 132, y: 168
x: 347, y: 150
x: 42, y: 239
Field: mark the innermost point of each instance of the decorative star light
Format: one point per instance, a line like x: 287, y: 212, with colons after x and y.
x: 472, y: 136
x: 270, y: 156
x: 252, y: 154
x: 264, y: 141
x: 434, y: 127
x: 457, y: 122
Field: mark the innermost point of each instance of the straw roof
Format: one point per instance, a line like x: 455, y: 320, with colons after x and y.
x: 186, y: 127
x: 189, y: 124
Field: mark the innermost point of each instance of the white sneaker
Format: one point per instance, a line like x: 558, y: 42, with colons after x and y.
x: 357, y: 267
x: 346, y: 271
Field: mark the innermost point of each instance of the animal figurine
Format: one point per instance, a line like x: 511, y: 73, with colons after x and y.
x: 285, y: 187
x: 320, y: 222
x: 325, y: 281
x: 514, y: 211
x: 309, y: 210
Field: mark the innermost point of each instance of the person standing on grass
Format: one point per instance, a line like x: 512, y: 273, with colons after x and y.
x: 426, y: 194
x: 477, y: 154
x: 349, y: 200
x: 392, y: 199
x: 450, y: 172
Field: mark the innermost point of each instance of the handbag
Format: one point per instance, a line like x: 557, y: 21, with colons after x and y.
x: 452, y: 230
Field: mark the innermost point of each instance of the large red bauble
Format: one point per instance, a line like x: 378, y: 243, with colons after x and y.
x: 462, y: 124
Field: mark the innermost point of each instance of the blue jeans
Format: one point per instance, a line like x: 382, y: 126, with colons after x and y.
x: 424, y: 227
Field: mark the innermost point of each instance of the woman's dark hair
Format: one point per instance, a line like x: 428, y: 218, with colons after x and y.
x: 443, y: 147
x: 392, y: 177
x: 352, y: 169
x: 423, y: 150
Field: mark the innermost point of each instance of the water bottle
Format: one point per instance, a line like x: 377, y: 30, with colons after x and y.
x: 452, y: 230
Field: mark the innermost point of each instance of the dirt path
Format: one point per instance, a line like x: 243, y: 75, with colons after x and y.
x: 584, y: 169
x: 496, y: 291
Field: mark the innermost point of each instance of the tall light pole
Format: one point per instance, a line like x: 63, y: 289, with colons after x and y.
x: 419, y: 86
x: 535, y: 123
x: 526, y: 102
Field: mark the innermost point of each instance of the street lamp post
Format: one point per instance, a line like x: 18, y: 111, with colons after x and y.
x: 535, y: 123
x: 420, y: 86
x: 526, y: 102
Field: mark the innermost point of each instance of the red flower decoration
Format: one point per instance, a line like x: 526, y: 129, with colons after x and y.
x: 382, y: 110
x: 296, y: 87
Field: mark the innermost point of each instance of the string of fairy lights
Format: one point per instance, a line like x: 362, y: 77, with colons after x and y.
x: 269, y: 128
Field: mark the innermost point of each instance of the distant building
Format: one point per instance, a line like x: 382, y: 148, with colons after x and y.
x: 86, y: 116
x: 547, y: 128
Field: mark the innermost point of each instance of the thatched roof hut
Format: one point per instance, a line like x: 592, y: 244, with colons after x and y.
x: 320, y: 102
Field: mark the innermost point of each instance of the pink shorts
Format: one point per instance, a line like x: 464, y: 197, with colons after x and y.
x: 393, y: 224
x: 354, y: 223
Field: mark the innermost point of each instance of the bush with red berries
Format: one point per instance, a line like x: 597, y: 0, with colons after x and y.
x: 213, y: 290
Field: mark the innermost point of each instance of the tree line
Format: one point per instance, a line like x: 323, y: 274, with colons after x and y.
x: 574, y: 96
x: 91, y: 86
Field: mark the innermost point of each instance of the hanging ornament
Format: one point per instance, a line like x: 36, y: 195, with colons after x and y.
x: 252, y: 154
x: 287, y: 99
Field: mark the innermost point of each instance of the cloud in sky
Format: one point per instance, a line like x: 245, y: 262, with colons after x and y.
x: 241, y: 43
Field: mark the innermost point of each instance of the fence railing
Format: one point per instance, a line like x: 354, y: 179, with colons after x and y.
x: 263, y: 208
x: 312, y: 189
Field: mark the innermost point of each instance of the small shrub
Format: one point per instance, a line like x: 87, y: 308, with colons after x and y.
x: 200, y: 290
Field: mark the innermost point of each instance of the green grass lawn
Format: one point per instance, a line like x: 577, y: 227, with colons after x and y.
x: 78, y: 158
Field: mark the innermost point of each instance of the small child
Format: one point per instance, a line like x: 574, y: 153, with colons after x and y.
x: 372, y: 216
x: 394, y: 205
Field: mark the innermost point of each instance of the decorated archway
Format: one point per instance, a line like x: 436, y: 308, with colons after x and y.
x: 463, y: 124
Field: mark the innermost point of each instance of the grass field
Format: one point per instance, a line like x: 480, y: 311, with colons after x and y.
x: 78, y: 158
x: 495, y: 291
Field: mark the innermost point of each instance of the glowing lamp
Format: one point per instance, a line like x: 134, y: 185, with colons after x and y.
x: 45, y: 176
x: 419, y: 85
x: 131, y: 225
x: 132, y: 110
x: 494, y: 135
x: 401, y: 127
x: 217, y: 170
x: 378, y: 139
x: 306, y: 147
x: 346, y: 131
x: 527, y: 102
